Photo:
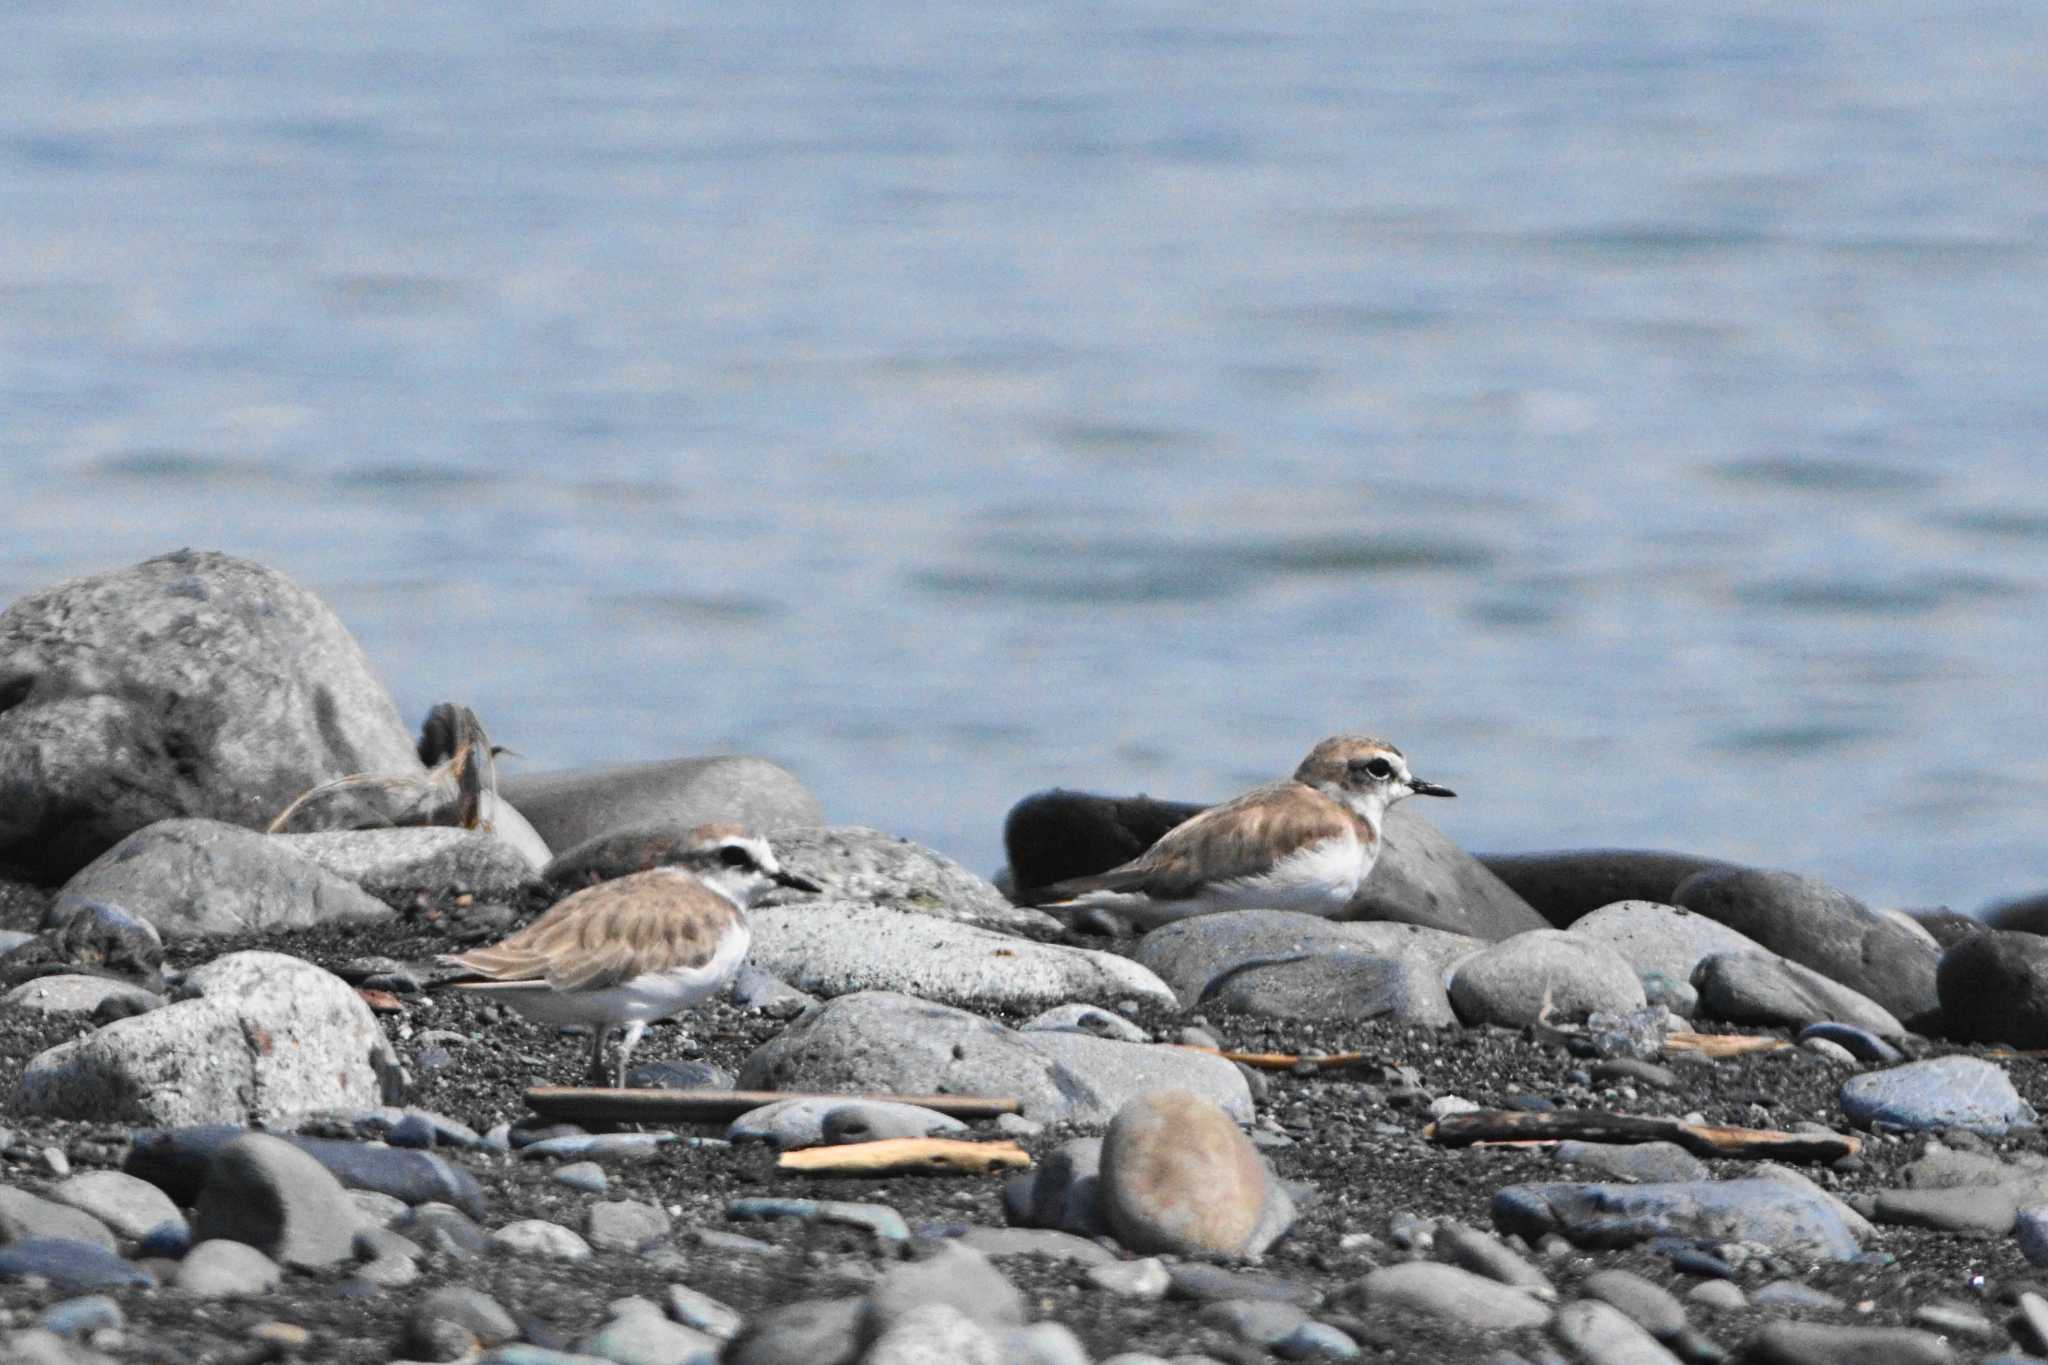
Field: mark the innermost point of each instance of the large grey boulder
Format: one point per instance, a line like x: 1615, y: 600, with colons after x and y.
x: 1567, y: 885
x: 195, y: 684
x: 884, y: 1042
x: 190, y: 877
x: 1342, y: 985
x: 1994, y: 989
x: 1544, y: 974
x: 1758, y: 987
x: 854, y: 863
x: 1835, y: 934
x: 1198, y: 956
x: 566, y: 808
x: 1660, y: 940
x: 263, y: 1191
x: 833, y: 948
x: 392, y: 864
x: 267, y: 1039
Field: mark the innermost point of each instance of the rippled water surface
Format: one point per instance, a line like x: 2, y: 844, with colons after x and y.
x: 1636, y: 411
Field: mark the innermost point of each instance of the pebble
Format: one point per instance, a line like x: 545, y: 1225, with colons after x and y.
x: 1860, y: 1044
x: 1144, y: 1279
x: 1470, y: 1249
x: 1650, y: 1306
x: 2031, y: 1225
x: 266, y: 1192
x: 600, y: 1146
x: 1179, y: 1176
x: 1080, y: 1018
x: 587, y: 1177
x: 1197, y: 1280
x: 1958, y: 1320
x: 1600, y: 1334
x: 1794, y: 1294
x: 1943, y: 1092
x: 675, y: 1074
x: 808, y: 1332
x: 643, y: 1336
x: 1049, y: 1243
x: 1043, y: 1343
x: 1261, y: 1322
x: 1759, y: 987
x: 475, y: 1313
x: 955, y: 1275
x: 790, y: 1124
x: 1783, y: 1217
x: 539, y: 1237
x: 25, y: 1217
x: 934, y: 1334
x: 883, y: 1221
x: 1980, y: 1210
x: 442, y: 1228
x: 178, y: 1161
x: 1336, y: 985
x: 81, y: 1316
x: 1639, y: 1163
x: 131, y: 1207
x: 222, y: 1269
x: 693, y: 1308
x: 624, y: 1225
x: 1822, y: 1343
x: 1448, y: 1294
x: 1514, y: 982
x: 1720, y: 1295
x: 1317, y: 1341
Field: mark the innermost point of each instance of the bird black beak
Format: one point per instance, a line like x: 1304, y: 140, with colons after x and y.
x: 1421, y: 788
x: 795, y: 882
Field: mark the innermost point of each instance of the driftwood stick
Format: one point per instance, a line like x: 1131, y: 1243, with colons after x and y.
x: 1723, y: 1044
x: 579, y: 1103
x: 1281, y: 1061
x: 1587, y: 1125
x: 898, y: 1156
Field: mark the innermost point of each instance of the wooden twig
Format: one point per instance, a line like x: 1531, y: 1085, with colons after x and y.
x: 380, y: 1002
x: 580, y: 1103
x: 1282, y: 1061
x: 1588, y: 1125
x: 1723, y: 1044
x: 900, y: 1156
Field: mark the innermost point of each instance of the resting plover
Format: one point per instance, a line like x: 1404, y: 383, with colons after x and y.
x: 1304, y: 844
x: 637, y: 948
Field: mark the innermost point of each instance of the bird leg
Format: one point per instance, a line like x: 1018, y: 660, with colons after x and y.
x: 598, y: 1075
x: 627, y: 1043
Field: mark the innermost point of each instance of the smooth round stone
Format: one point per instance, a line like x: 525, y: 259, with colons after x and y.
x: 1179, y: 1176
x: 693, y: 1308
x: 1601, y: 1334
x: 788, y: 1124
x: 131, y: 1207
x: 1317, y: 1341
x: 1080, y: 1018
x: 586, y: 1177
x: 442, y: 1228
x: 1943, y: 1092
x: 538, y: 1237
x: 1639, y: 1163
x: 1990, y: 988
x: 624, y: 1225
x: 934, y: 1334
x: 1141, y: 1279
x: 222, y: 1269
x: 1827, y: 1343
x: 268, y: 1193
x: 1569, y: 885
x: 667, y: 1074
x: 1207, y: 1283
x: 1450, y: 1295
x: 1650, y: 1306
x: 1793, y: 1294
x: 645, y: 1337
x: 1720, y: 1295
x: 1981, y: 1210
x: 807, y: 1332
x: 26, y: 1217
x: 1341, y: 985
x: 1514, y: 982
x: 2031, y: 1226
x: 1472, y: 1250
x: 957, y: 1276
x: 1860, y: 1044
x: 1759, y: 987
x: 1659, y: 939
x: 1258, y: 1321
x: 1043, y: 1343
x: 78, y: 995
x: 567, y: 808
x: 1048, y: 1243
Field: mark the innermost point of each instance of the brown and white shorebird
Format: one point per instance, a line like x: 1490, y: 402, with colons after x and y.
x: 638, y: 948
x: 1303, y: 844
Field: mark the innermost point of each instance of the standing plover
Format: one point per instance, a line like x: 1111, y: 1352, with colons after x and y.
x: 637, y: 948
x: 1304, y: 844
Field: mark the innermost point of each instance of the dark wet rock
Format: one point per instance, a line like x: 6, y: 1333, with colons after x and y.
x: 267, y: 1037
x: 21, y: 906
x: 1994, y: 989
x: 1052, y: 836
x: 567, y: 808
x: 194, y: 684
x: 25, y: 1217
x: 1786, y: 1218
x: 1198, y: 956
x: 396, y: 864
x: 70, y: 1266
x: 1862, y: 1044
x: 1339, y: 986
x: 1827, y: 1343
x: 1640, y: 1163
x: 1450, y: 1295
x: 1543, y: 974
x: 1942, y: 1092
x: 190, y: 876
x: 1758, y: 987
x: 1178, y: 1176
x: 265, y: 1192
x: 1947, y: 927
x: 1834, y: 934
x: 1570, y: 884
x: 2022, y: 914
x: 176, y: 1161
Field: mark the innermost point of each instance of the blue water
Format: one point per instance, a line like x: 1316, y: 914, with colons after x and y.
x: 1633, y: 410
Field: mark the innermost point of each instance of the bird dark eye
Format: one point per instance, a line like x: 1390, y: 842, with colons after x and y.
x: 1378, y: 768
x: 734, y: 856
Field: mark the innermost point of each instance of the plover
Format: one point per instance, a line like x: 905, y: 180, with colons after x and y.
x: 1303, y: 844
x: 637, y: 948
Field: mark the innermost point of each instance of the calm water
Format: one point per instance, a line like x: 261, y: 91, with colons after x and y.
x: 1634, y: 410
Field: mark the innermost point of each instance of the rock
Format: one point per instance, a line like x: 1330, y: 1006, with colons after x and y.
x: 955, y: 1275
x: 1861, y: 1044
x: 1047, y: 1243
x: 177, y: 1162
x: 1650, y: 1306
x: 1178, y: 1176
x: 642, y: 1336
x: 189, y: 877
x: 1982, y: 1211
x: 1196, y: 956
x: 78, y: 995
x: 1639, y: 1163
x: 2032, y: 1226
x: 566, y: 808
x: 1991, y: 989
x: 624, y: 1224
x: 24, y: 1217
x: 1661, y: 940
x: 1859, y: 1227
x: 854, y: 863
x: 1943, y: 1092
x: 70, y: 1266
x: 1450, y: 1295
x: 585, y: 1177
x: 1600, y: 1334
x: 1055, y: 835
x: 1208, y: 1283
x: 1565, y: 887
x: 1352, y: 987
x: 1827, y: 1343
x: 1078, y: 1018
x: 693, y: 1308
x: 934, y: 1334
x: 92, y: 939
x: 265, y: 1192
x: 808, y: 1332
x: 1261, y: 1322
x: 443, y: 1230
x: 1759, y: 987
x: 194, y: 684
x: 1062, y: 1192
x: 269, y: 1038
x: 885, y: 1223
x: 1470, y: 1249
x: 398, y: 863
x: 833, y: 948
x: 1145, y: 1279
x: 82, y: 1316
x: 133, y: 1208
x: 226, y: 1269
x: 475, y: 1312
x: 1819, y: 927
x: 1786, y: 1218
x: 540, y: 1239
x: 880, y: 1041
x: 813, y: 1122
x: 1718, y: 1295
x: 1042, y: 1343
x: 1546, y: 973
x: 676, y: 1074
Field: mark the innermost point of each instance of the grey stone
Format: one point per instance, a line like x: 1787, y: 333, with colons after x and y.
x: 226, y: 1269
x: 1194, y: 956
x: 585, y: 1177
x: 1650, y: 1306
x: 808, y: 1332
x: 190, y: 877
x: 1450, y: 1295
x: 1943, y: 1092
x: 95, y: 939
x: 446, y: 1230
x: 1759, y: 987
x: 1353, y: 987
x: 569, y: 807
x: 78, y: 995
x: 476, y: 1312
x: 854, y: 863
x: 834, y: 947
x: 1515, y: 982
x: 1639, y: 1163
x: 1262, y: 1322
x: 693, y: 1308
x: 1422, y: 877
x: 1982, y: 1210
x: 1600, y: 1334
x: 2032, y: 1226
x: 934, y: 1334
x: 1721, y: 1296
x: 1793, y: 1294
x: 83, y: 1315
x: 624, y: 1224
x: 539, y: 1238
x: 885, y: 1223
x: 1859, y: 1227
x: 1317, y: 1341
x: 1861, y: 1044
x: 644, y: 1337
x: 812, y: 1122
x: 1178, y: 1176
x: 1566, y: 886
x: 1661, y: 940
x: 131, y: 1207
x: 269, y: 1038
x: 1062, y: 1192
x: 1470, y: 1249
x: 1042, y: 1343
x: 194, y: 684
x: 1079, y: 1018
x: 1819, y: 927
x: 1207, y: 1283
x: 1990, y: 988
x: 397, y: 863
x: 891, y: 1043
x: 1784, y: 1217
x: 264, y: 1191
x: 1049, y: 1243
x: 955, y: 1275
x: 1145, y: 1278
x: 1828, y: 1343
x: 25, y: 1217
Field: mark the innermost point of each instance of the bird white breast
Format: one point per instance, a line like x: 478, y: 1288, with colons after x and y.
x: 646, y: 997
x: 1318, y: 879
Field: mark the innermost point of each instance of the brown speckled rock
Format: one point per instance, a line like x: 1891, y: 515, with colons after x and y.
x: 1178, y: 1176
